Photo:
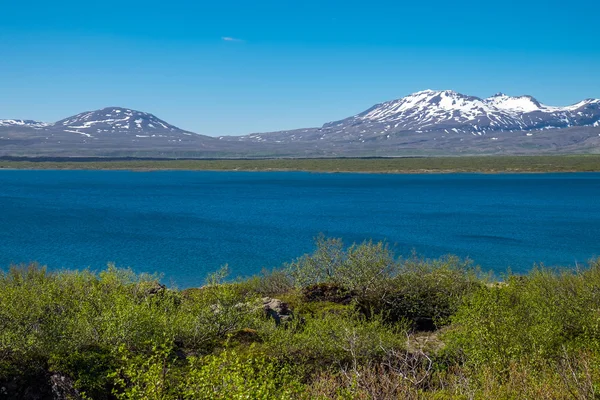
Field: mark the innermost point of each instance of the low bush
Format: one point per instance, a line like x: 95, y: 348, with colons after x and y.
x: 232, y: 375
x: 332, y: 339
x: 206, y: 316
x: 424, y: 292
x: 361, y: 268
x: 536, y: 317
x: 227, y: 375
x: 355, y: 331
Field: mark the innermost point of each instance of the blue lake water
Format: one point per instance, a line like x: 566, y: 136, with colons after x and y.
x: 186, y: 224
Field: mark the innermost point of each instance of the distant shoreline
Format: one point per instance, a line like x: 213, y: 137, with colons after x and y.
x: 395, y: 165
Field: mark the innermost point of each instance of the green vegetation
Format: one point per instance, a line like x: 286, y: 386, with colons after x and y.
x: 488, y: 164
x: 342, y: 323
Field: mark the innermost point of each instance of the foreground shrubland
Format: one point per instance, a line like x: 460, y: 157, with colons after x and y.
x: 341, y: 323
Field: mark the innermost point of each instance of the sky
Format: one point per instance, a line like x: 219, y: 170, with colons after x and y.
x: 233, y: 67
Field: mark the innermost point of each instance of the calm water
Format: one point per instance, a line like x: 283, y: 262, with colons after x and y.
x: 185, y: 224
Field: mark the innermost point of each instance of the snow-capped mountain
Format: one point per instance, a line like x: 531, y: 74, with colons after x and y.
x: 112, y: 120
x: 111, y: 131
x: 424, y: 123
x: 23, y: 123
x: 444, y: 113
x: 446, y: 110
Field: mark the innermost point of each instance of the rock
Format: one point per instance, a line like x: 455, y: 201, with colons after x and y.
x: 63, y: 388
x: 277, y: 309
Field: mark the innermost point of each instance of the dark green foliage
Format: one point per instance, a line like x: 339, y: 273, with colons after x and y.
x: 328, y: 292
x: 331, y: 338
x: 424, y: 292
x: 89, y: 368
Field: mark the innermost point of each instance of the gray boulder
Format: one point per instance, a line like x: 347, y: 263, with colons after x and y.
x: 63, y: 388
x: 278, y: 310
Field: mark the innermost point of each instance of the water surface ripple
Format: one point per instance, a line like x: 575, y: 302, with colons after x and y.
x: 185, y: 224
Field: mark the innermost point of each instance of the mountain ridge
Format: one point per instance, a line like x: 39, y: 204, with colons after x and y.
x: 116, y: 119
x: 450, y: 111
x: 424, y: 122
x: 22, y: 123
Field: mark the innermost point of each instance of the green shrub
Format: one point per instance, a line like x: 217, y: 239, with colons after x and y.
x: 533, y: 318
x: 154, y: 375
x: 269, y: 283
x: 425, y: 292
x: 160, y: 375
x: 90, y: 369
x: 361, y: 268
x: 72, y: 322
x: 120, y: 334
x: 231, y: 375
x: 206, y: 316
x: 331, y: 339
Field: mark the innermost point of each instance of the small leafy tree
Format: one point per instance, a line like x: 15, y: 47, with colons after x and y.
x: 361, y: 267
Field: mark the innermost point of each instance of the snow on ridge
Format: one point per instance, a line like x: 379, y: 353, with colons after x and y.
x: 23, y: 122
x: 519, y: 104
x: 430, y: 107
x: 580, y: 104
x: 81, y: 133
x: 112, y: 119
x: 428, y: 103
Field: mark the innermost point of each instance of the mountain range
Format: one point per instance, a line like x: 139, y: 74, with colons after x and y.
x: 424, y: 123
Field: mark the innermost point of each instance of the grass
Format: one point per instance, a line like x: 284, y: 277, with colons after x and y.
x: 485, y: 164
x: 366, y: 325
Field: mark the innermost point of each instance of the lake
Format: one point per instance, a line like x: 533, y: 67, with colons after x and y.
x: 186, y: 224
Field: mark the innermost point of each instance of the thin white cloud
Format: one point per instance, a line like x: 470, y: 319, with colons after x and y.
x: 232, y: 39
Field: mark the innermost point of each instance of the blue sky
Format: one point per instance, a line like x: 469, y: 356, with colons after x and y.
x: 235, y: 67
